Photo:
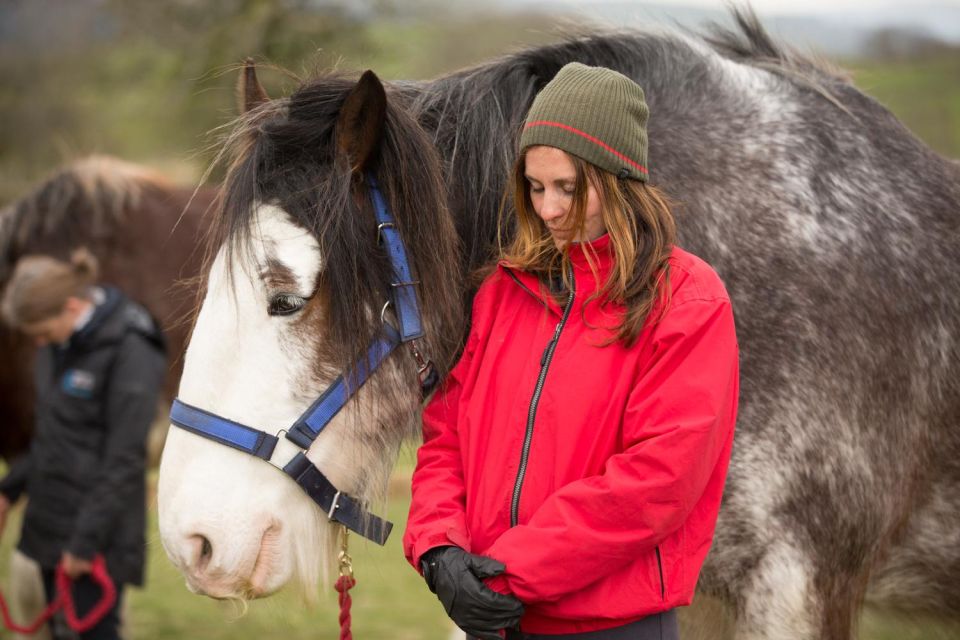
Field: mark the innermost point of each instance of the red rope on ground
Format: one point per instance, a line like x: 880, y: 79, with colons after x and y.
x: 343, y: 586
x: 29, y: 629
x: 64, y: 599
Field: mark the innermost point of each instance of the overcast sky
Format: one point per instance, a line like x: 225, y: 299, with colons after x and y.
x: 782, y: 6
x: 839, y: 27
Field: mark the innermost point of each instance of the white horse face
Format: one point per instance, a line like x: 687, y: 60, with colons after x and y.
x: 233, y: 524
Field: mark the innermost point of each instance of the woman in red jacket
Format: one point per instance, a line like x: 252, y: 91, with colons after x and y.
x: 574, y: 459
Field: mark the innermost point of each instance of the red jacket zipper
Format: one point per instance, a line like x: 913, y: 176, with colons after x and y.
x: 545, y: 360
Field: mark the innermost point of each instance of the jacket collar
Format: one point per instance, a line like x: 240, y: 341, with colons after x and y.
x: 105, y: 305
x: 599, y: 252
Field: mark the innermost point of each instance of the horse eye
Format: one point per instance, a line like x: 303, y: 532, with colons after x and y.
x: 285, y: 304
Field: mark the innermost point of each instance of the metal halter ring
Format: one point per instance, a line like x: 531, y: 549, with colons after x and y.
x: 383, y: 315
x: 381, y: 227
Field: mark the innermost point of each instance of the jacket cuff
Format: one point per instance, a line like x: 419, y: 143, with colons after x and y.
x: 81, y: 548
x: 452, y: 536
x: 423, y: 545
x: 500, y: 584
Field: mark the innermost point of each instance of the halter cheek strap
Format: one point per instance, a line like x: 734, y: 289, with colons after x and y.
x: 404, y: 295
x: 289, y: 452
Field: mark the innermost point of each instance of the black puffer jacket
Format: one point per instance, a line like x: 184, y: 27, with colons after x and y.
x: 84, y: 473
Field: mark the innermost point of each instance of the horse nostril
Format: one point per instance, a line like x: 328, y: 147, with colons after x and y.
x: 203, y: 550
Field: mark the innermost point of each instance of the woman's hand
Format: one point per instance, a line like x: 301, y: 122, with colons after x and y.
x: 75, y: 567
x: 456, y: 577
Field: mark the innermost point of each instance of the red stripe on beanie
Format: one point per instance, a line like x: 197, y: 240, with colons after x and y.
x: 584, y: 134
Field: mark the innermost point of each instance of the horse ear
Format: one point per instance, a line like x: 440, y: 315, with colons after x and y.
x: 361, y: 121
x: 249, y: 92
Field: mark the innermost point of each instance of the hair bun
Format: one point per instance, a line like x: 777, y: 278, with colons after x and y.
x: 85, y: 264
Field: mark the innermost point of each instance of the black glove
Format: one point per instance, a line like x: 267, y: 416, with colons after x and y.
x: 456, y: 577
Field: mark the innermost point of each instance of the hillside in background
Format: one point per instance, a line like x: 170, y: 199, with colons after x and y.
x: 149, y: 81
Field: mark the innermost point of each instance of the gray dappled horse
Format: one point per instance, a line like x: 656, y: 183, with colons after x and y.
x: 835, y: 230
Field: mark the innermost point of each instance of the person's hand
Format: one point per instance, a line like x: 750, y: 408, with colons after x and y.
x: 456, y: 577
x: 75, y: 567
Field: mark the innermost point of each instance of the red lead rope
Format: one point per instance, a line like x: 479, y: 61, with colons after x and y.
x: 343, y: 586
x: 45, y: 615
x: 64, y: 599
x: 344, y: 583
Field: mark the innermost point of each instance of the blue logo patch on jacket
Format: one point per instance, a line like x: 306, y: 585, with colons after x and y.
x: 78, y: 383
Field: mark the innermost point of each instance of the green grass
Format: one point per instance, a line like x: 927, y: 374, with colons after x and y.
x: 389, y: 601
x: 924, y: 94
x: 878, y: 625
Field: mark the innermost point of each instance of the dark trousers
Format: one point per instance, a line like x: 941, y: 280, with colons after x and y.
x: 86, y: 594
x: 660, y: 626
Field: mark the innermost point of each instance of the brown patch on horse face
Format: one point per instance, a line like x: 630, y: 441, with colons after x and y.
x: 279, y: 277
x: 309, y: 325
x: 361, y: 120
x: 250, y: 93
x: 311, y: 331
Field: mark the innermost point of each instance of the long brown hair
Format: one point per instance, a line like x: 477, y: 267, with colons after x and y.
x: 40, y: 286
x: 639, y: 220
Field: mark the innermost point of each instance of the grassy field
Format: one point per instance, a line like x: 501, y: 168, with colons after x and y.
x: 389, y: 601
x: 923, y: 93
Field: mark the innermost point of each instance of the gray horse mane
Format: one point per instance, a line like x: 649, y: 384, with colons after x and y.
x: 475, y: 115
x: 750, y: 43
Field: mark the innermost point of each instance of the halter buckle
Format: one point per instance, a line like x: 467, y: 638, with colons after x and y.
x: 334, y: 505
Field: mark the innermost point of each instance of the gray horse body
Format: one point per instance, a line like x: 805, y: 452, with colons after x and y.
x: 837, y: 233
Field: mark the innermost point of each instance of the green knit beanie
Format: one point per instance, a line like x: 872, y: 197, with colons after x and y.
x: 594, y: 113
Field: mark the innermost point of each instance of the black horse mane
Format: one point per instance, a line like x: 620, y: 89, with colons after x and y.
x: 286, y: 153
x: 80, y: 202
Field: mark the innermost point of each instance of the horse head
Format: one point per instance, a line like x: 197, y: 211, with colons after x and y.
x: 296, y: 301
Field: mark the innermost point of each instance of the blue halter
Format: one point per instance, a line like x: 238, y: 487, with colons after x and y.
x: 288, y: 453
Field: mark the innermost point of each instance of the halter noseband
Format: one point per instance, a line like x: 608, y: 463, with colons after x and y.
x: 289, y: 452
